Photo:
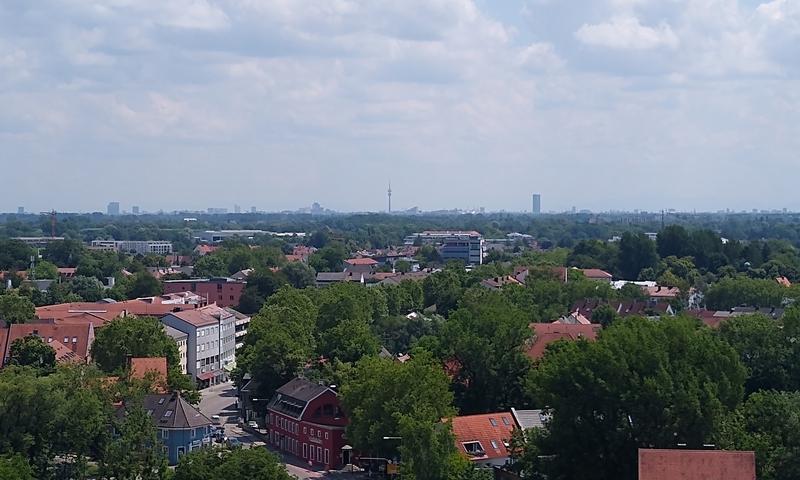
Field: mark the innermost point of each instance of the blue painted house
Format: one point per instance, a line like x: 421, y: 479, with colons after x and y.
x: 181, y: 427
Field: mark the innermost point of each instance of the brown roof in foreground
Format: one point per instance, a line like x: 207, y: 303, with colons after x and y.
x: 100, y: 313
x: 696, y: 465
x: 76, y: 338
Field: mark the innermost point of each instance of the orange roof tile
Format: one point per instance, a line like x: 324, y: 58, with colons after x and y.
x: 546, y: 333
x: 492, y: 430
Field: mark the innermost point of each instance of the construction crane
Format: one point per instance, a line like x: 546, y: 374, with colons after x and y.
x: 53, y: 224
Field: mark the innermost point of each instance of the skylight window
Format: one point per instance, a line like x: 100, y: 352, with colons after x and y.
x: 168, y: 413
x: 493, y: 422
x: 474, y: 448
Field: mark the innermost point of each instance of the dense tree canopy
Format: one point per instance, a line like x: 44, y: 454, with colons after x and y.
x: 235, y: 464
x: 15, y: 308
x: 31, y: 351
x: 642, y: 384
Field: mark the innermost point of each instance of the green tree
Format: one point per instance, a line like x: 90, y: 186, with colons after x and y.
x: 66, y: 253
x: 485, y: 339
x: 236, y: 464
x: 144, y: 285
x: 14, y: 255
x: 139, y: 337
x: 210, y: 266
x: 299, y: 275
x: 636, y: 252
x: 769, y: 424
x: 605, y: 315
x: 387, y: 398
x: 763, y: 348
x: 328, y: 259
x: 45, y: 271
x: 642, y: 384
x: 673, y: 240
x: 348, y: 341
x: 443, y: 289
x: 732, y: 292
x: 15, y: 467
x: 31, y: 351
x: 280, y: 340
x: 15, y: 308
x: 402, y: 266
x: 88, y: 288
x: 133, y: 454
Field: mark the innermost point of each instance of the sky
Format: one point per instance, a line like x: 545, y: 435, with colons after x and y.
x: 598, y: 104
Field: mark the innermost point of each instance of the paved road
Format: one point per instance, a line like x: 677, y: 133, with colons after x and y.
x: 221, y: 400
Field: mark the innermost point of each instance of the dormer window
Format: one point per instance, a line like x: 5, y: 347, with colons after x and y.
x: 474, y: 449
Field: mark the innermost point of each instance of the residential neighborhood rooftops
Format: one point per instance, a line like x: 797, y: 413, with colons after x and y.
x: 483, y: 437
x: 361, y: 261
x: 292, y: 398
x: 75, y: 338
x: 140, y: 367
x: 655, y: 464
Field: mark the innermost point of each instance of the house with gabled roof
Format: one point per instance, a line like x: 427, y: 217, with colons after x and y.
x: 484, y: 439
x: 306, y: 420
x: 181, y: 428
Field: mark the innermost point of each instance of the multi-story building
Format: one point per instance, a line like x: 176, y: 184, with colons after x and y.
x: 211, y: 342
x: 537, y: 204
x: 181, y: 427
x: 226, y: 292
x: 242, y: 322
x: 143, y: 247
x: 181, y: 341
x: 306, y: 420
x: 467, y: 246
x: 113, y: 208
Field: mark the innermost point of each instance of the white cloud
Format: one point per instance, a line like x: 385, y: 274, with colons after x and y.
x: 627, y: 33
x: 540, y: 56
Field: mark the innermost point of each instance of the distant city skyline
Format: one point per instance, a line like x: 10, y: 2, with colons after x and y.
x: 601, y: 104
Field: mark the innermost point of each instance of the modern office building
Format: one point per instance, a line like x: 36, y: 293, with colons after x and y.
x: 181, y: 341
x: 211, y: 342
x: 113, y: 208
x: 20, y: 210
x: 135, y: 210
x: 537, y: 204
x: 143, y: 247
x: 464, y: 246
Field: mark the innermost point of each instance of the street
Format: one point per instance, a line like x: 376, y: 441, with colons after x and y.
x: 221, y: 400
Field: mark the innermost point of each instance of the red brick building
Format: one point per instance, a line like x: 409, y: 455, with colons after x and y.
x: 226, y: 292
x: 306, y: 420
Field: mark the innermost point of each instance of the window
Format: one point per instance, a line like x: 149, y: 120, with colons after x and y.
x: 168, y: 414
x: 231, y: 297
x: 474, y: 448
x: 66, y: 340
x: 505, y: 421
x: 327, y: 456
x: 305, y: 450
x: 326, y: 435
x: 319, y: 454
x: 181, y: 451
x: 74, y: 339
x: 319, y: 433
x: 305, y: 431
x: 164, y: 434
x: 494, y: 445
x: 493, y: 422
x: 312, y: 432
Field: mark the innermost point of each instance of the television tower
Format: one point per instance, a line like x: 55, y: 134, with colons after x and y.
x: 389, y: 193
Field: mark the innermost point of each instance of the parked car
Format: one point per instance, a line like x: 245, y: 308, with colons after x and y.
x: 215, y: 418
x: 252, y: 424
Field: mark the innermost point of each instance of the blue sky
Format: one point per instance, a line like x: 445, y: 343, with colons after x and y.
x: 601, y: 104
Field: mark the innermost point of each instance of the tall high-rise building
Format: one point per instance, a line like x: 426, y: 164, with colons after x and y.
x: 252, y: 209
x: 135, y: 210
x: 537, y: 204
x: 389, y: 193
x: 113, y: 208
x: 20, y: 210
x: 237, y: 209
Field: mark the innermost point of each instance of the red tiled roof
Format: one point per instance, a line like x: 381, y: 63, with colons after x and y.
x: 102, y: 313
x: 361, y: 261
x: 486, y: 428
x: 76, y: 338
x: 498, y: 282
x: 141, y: 366
x: 696, y: 465
x: 596, y: 273
x: 294, y: 258
x: 205, y: 249
x: 546, y: 333
x: 783, y: 281
x: 663, y: 292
